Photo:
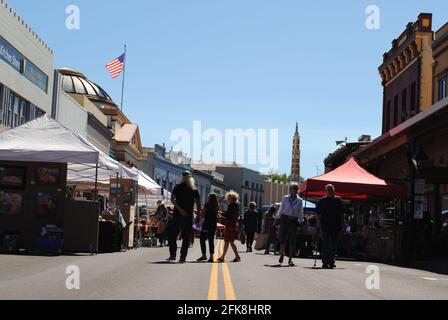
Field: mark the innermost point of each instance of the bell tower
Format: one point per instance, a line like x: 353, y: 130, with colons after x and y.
x: 295, y: 168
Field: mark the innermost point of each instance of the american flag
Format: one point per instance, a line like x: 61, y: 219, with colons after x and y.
x: 116, y: 66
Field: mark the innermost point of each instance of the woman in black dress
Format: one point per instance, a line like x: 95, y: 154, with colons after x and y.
x: 209, y: 214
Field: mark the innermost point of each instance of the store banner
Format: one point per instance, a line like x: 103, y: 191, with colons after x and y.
x: 10, y: 55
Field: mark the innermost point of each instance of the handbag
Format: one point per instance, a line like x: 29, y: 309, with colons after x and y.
x: 242, y: 237
x: 261, y: 242
x: 241, y: 233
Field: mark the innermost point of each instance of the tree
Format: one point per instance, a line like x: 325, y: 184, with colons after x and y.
x: 275, y: 176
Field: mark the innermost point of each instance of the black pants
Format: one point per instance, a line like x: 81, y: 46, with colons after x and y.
x: 329, y: 247
x: 250, y: 239
x: 184, y: 225
x: 209, y: 236
x: 288, y: 233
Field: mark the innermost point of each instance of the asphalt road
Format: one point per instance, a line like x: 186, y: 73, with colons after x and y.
x: 144, y: 275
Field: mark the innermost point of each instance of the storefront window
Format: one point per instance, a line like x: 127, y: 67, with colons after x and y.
x: 15, y: 111
x: 442, y: 89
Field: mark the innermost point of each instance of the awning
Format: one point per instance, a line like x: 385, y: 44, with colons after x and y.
x: 352, y: 182
x: 107, y: 168
x: 45, y: 140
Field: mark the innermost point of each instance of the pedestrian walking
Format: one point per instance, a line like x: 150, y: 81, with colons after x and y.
x: 161, y: 216
x: 231, y: 217
x: 210, y: 216
x: 330, y: 215
x: 268, y: 228
x: 184, y: 197
x: 169, y: 224
x: 250, y: 221
x: 290, y: 215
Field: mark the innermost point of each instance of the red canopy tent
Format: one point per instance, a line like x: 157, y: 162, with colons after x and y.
x: 352, y: 182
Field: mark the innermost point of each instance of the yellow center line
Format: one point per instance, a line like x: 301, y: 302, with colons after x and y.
x: 228, y: 285
x: 213, y: 287
x: 227, y: 279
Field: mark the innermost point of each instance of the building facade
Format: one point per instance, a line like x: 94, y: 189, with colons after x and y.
x: 248, y: 183
x: 155, y: 163
x: 344, y: 152
x: 78, y: 114
x: 274, y: 192
x: 217, y: 185
x: 125, y: 145
x: 406, y: 73
x: 440, y: 71
x: 26, y: 71
x: 203, y: 182
x: 414, y: 152
x: 295, y: 167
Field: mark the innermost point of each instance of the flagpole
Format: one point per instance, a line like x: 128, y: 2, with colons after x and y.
x: 124, y: 73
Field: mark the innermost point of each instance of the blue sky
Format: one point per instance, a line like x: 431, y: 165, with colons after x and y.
x: 237, y: 64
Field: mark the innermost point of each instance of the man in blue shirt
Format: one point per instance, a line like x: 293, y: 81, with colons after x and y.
x: 290, y: 215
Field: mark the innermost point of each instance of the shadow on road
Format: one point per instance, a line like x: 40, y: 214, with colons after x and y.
x: 278, y: 266
x: 176, y: 262
x: 320, y: 268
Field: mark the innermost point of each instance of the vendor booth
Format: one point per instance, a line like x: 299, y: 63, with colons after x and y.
x: 375, y: 210
x: 34, y: 213
x: 54, y: 188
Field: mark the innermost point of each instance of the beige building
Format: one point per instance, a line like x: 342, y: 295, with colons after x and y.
x: 26, y: 71
x: 107, y: 127
x: 274, y: 191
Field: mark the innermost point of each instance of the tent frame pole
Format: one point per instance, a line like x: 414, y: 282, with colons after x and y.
x: 95, y: 193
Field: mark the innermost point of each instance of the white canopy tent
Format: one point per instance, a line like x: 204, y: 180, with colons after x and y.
x: 45, y: 140
x: 107, y: 168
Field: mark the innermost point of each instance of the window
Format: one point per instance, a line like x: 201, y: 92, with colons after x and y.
x: 14, y: 110
x: 67, y: 84
x: 35, y: 75
x: 404, y: 107
x: 442, y: 89
x: 79, y: 87
x: 387, y: 123
x: 413, y: 97
x: 396, y: 110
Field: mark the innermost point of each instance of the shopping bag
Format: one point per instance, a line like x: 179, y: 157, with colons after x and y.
x: 241, y: 235
x: 261, y: 242
x: 161, y: 227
